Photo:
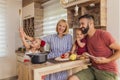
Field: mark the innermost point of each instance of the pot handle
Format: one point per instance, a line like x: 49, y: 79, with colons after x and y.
x: 31, y: 56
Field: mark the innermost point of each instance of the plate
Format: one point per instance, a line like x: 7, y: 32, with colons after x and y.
x: 61, y: 59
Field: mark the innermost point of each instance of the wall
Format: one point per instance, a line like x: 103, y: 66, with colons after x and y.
x: 8, y: 63
x: 113, y: 21
x: 113, y: 18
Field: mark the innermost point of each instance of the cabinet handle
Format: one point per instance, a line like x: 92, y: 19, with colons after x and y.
x: 28, y: 16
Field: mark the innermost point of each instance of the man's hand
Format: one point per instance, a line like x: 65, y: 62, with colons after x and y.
x: 101, y: 60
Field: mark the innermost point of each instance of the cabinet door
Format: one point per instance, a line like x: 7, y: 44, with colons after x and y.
x: 28, y: 26
x: 28, y: 11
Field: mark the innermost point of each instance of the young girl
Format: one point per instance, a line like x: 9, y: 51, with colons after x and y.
x: 79, y: 46
x: 32, y: 45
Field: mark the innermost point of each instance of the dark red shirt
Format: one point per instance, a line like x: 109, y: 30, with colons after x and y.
x: 79, y: 49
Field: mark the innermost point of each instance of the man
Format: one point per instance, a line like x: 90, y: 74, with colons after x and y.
x: 101, y: 45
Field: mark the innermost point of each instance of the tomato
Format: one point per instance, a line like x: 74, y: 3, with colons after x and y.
x: 63, y: 56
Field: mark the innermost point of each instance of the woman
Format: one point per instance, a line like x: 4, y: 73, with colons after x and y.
x: 59, y: 43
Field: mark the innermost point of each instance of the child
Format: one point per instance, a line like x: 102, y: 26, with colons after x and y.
x: 32, y: 45
x: 79, y: 46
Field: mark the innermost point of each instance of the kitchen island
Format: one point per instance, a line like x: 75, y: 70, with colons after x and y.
x: 29, y: 71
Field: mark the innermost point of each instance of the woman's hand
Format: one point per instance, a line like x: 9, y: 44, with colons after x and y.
x: 66, y: 54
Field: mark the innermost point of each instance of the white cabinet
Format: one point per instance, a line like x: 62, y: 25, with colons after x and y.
x: 28, y: 11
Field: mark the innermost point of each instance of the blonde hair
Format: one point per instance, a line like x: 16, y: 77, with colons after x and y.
x: 67, y: 27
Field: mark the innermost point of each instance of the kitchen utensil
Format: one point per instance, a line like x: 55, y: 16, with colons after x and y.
x: 90, y: 55
x: 38, y: 58
x: 20, y: 17
x: 61, y: 59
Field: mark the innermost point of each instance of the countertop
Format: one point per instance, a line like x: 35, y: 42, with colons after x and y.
x: 27, y: 70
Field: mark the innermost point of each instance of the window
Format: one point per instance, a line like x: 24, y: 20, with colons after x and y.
x: 2, y: 28
x: 53, y: 12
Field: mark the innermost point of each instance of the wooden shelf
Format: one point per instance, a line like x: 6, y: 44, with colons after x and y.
x: 78, y: 2
x: 28, y: 26
x: 98, y: 11
x: 100, y: 27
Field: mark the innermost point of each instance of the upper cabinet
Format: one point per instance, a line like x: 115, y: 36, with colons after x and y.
x: 28, y: 11
x: 32, y: 18
x: 76, y: 8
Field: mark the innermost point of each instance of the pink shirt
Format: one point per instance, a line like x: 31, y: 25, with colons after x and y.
x: 98, y: 45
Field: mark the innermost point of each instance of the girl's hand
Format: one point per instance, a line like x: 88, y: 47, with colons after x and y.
x: 78, y: 39
x: 21, y: 32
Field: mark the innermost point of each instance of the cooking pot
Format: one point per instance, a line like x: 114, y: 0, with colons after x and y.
x: 38, y: 58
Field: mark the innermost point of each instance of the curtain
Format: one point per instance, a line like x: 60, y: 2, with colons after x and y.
x: 53, y: 12
x: 2, y: 28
